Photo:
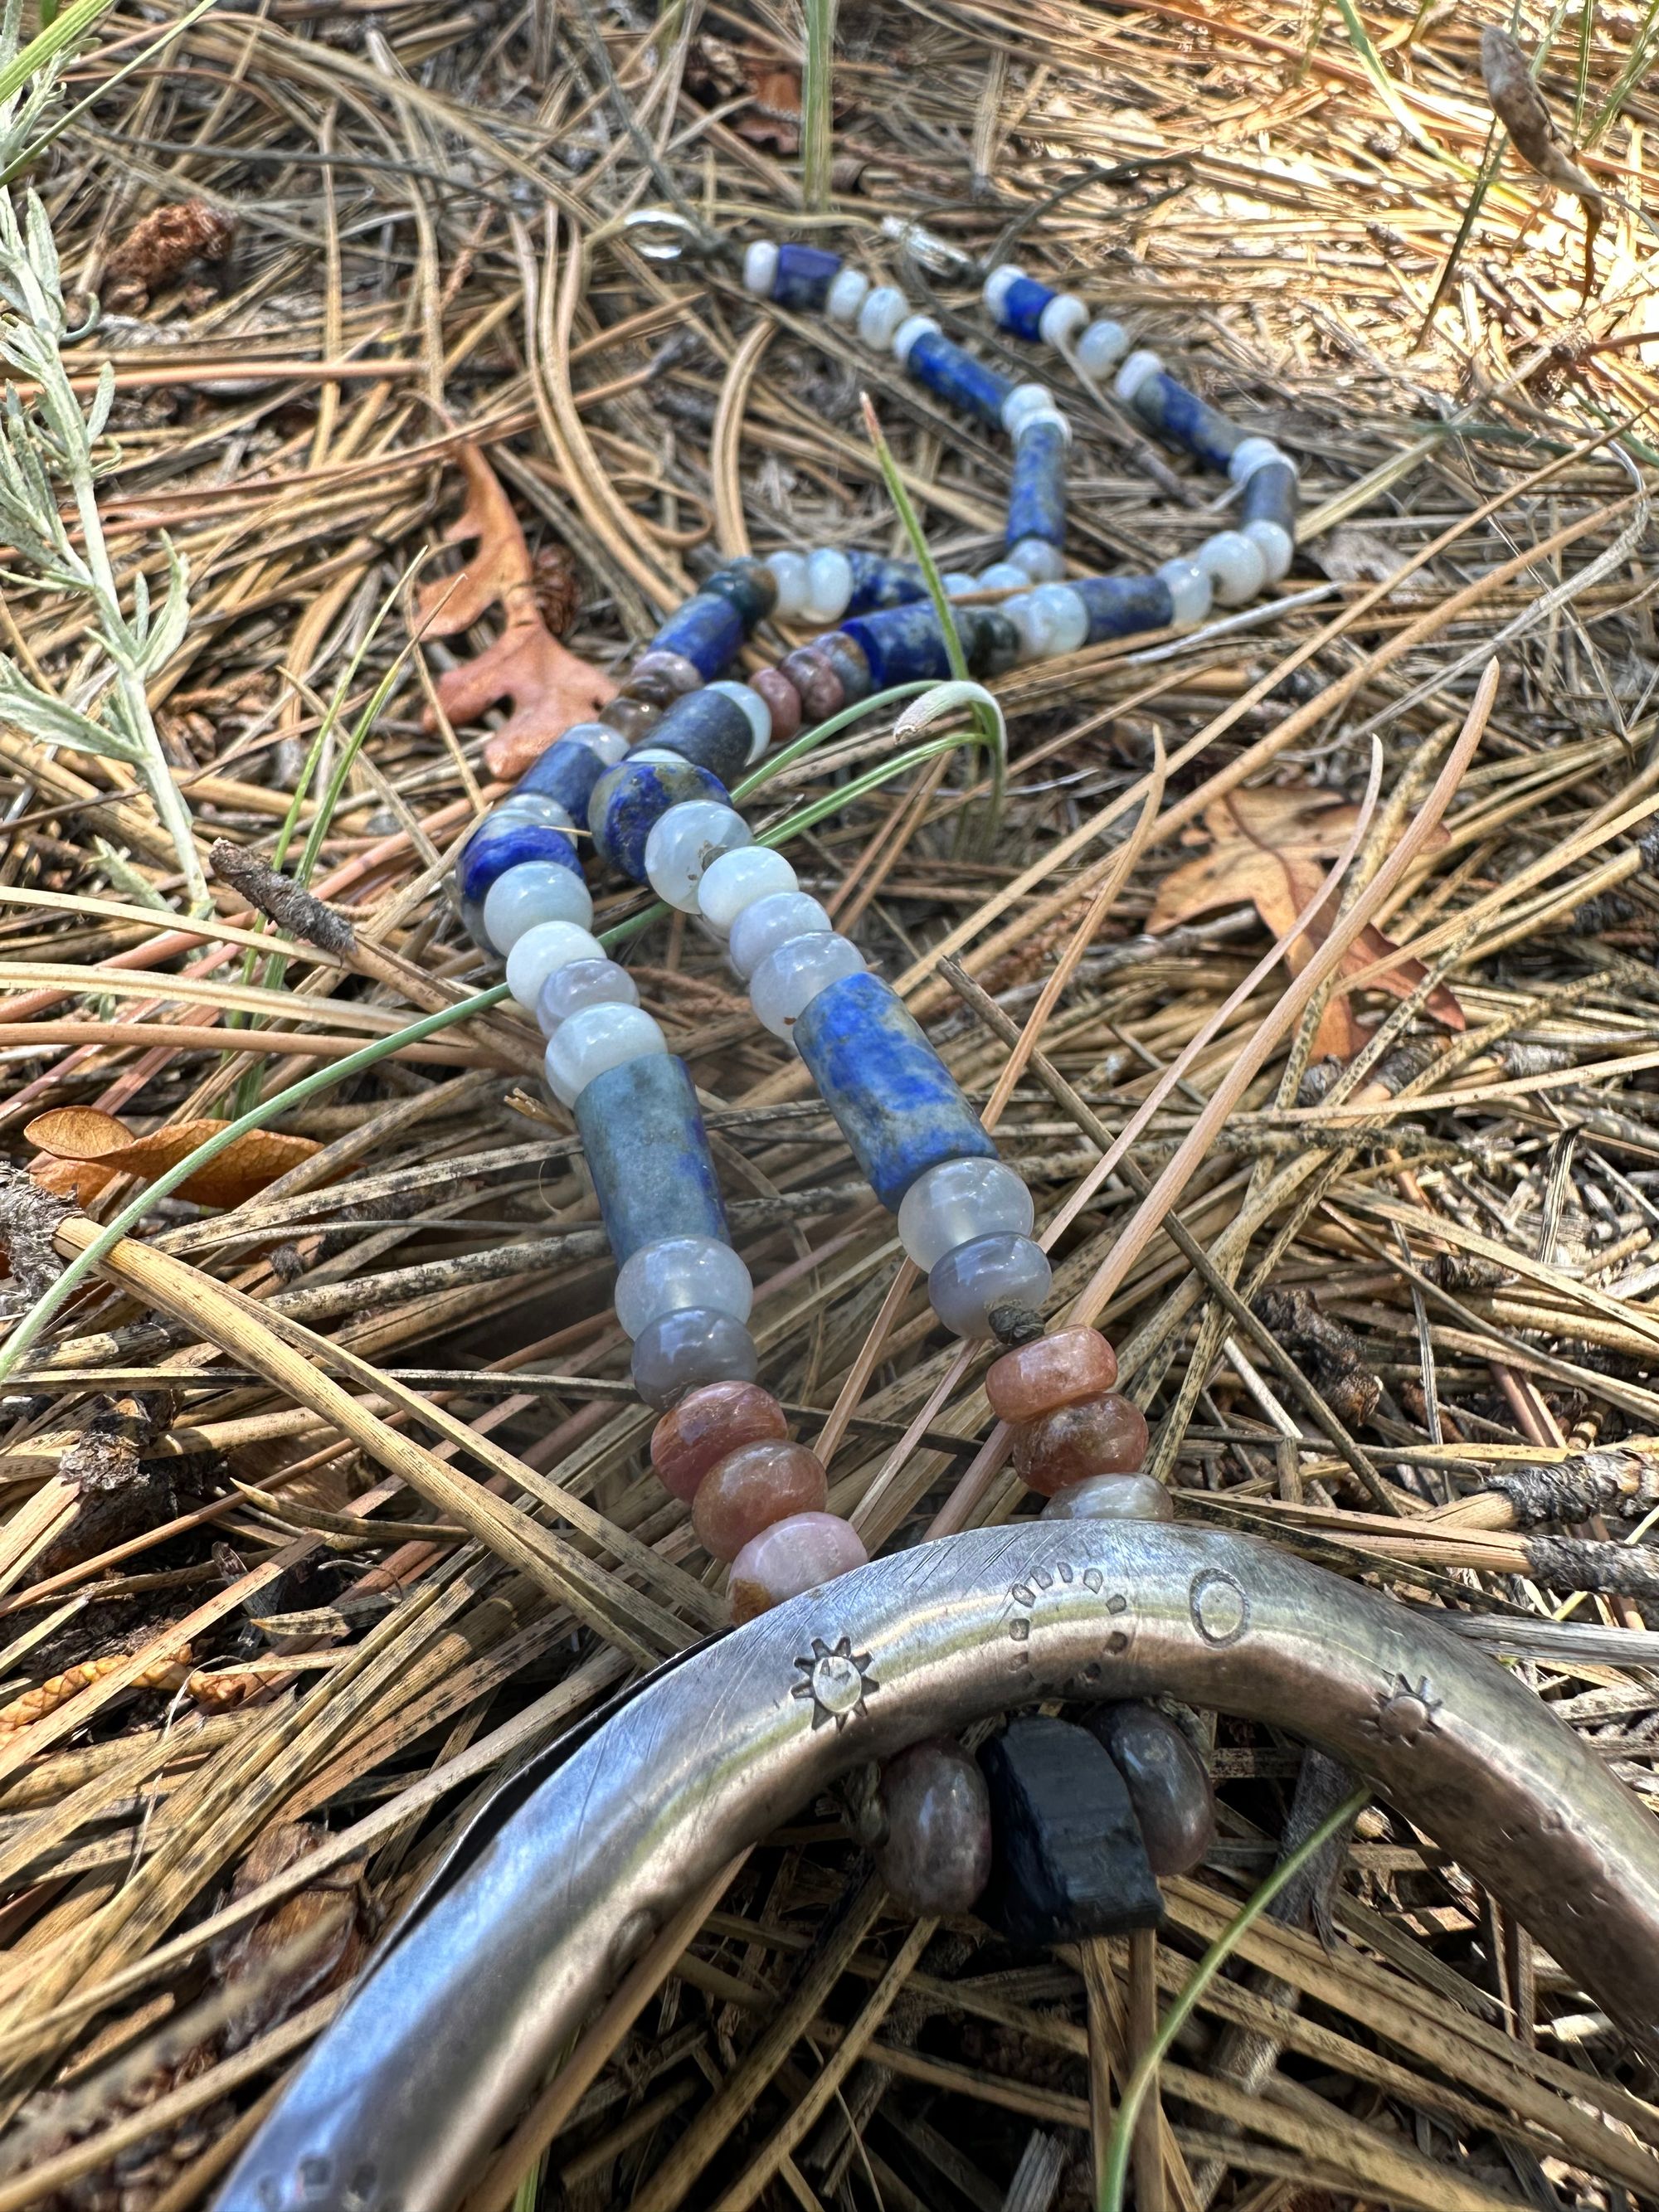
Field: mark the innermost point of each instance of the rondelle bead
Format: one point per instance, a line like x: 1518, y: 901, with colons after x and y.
x: 829, y: 585
x: 971, y: 1285
x: 682, y: 844
x: 681, y: 1350
x: 789, y: 582
x: 1111, y: 1498
x: 994, y: 289
x: 1062, y: 319
x: 880, y: 317
x: 760, y: 929
x: 656, y: 691
x: 1003, y: 576
x: 1252, y: 454
x: 1168, y: 1786
x: 1234, y: 564
x: 749, y: 585
x: 787, y: 982
x: 541, y: 951
x: 1141, y: 364
x: 629, y: 798
x: 750, y: 1488
x: 631, y: 718
x: 1100, y: 348
x: 678, y: 1272
x: 524, y: 897
x: 821, y: 691
x: 741, y: 878
x: 1106, y: 1435
x: 852, y: 669
x: 1276, y: 544
x: 592, y: 1043
x: 781, y: 701
x: 707, y: 1426
x: 937, y: 1857
x: 1040, y: 559
x: 846, y: 295
x: 760, y: 267
x: 672, y: 668
x: 581, y: 983
x: 1190, y: 590
x: 790, y: 1558
x: 1058, y: 1369
x: 909, y: 333
x: 958, y: 1200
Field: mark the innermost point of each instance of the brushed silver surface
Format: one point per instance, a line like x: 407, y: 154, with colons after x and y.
x: 552, y: 1893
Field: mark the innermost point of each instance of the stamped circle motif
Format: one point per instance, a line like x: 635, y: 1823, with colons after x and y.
x: 1220, y: 1610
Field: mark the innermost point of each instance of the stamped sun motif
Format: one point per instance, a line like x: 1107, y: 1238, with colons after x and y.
x: 1406, y: 1709
x: 837, y: 1680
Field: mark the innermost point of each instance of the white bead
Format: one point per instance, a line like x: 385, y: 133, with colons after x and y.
x: 772, y: 921
x: 1278, y: 547
x: 737, y: 879
x: 958, y: 1200
x: 581, y: 983
x: 829, y: 585
x: 789, y: 575
x: 530, y: 806
x: 1028, y: 628
x: 996, y: 286
x: 1134, y: 373
x: 1020, y: 403
x: 760, y: 268
x: 881, y: 315
x: 759, y: 714
x: 955, y: 582
x: 599, y: 737
x: 679, y: 1273
x: 912, y: 328
x: 533, y: 892
x: 1042, y: 562
x: 596, y: 1039
x: 846, y: 295
x: 683, y: 842
x: 550, y: 946
x: 1062, y: 319
x: 1250, y: 454
x: 787, y: 980
x: 1189, y: 591
x: 1100, y: 348
x: 1002, y: 576
x: 1235, y: 566
x: 1052, y: 417
x: 1064, y: 615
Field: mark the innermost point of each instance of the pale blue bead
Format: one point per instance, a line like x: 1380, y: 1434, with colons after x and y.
x: 969, y: 1285
x: 770, y: 922
x: 787, y: 980
x: 539, y: 891
x: 581, y: 983
x: 681, y: 1350
x: 679, y: 1273
x: 957, y: 1201
x: 1003, y: 576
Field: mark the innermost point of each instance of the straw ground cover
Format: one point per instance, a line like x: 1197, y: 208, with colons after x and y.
x: 324, y: 1501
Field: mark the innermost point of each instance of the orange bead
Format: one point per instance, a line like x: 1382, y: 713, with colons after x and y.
x: 1102, y: 1436
x: 1052, y: 1371
x: 752, y: 1487
x: 707, y: 1425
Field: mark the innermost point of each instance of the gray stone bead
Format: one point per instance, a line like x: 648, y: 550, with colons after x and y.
x: 1111, y: 1498
x: 679, y: 1351
x: 937, y: 1857
x: 978, y: 1279
x: 1167, y: 1783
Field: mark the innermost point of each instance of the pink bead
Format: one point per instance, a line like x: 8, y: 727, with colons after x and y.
x: 751, y: 1489
x: 782, y: 703
x: 709, y: 1423
x: 1053, y: 1370
x: 1101, y: 1436
x: 793, y: 1556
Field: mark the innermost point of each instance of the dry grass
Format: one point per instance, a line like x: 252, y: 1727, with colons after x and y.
x: 328, y: 1505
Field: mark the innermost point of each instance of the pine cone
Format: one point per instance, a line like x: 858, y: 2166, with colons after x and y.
x: 557, y: 592
x: 163, y: 244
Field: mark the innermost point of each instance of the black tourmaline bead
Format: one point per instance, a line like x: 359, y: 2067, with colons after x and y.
x: 749, y: 586
x: 990, y: 643
x: 1067, y: 1857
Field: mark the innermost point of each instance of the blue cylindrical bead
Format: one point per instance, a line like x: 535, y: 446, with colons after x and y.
x: 902, y: 645
x: 567, y: 771
x: 1022, y: 304
x: 951, y: 374
x: 629, y: 799
x: 707, y: 629
x: 1183, y: 419
x: 1270, y: 497
x: 648, y: 1152
x: 895, y: 1101
x: 879, y: 582
x: 710, y: 729
x: 492, y: 849
x: 1118, y: 606
x: 1036, y: 491
x: 804, y: 277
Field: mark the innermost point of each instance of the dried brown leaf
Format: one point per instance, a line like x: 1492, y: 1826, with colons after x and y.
x: 81, y: 1150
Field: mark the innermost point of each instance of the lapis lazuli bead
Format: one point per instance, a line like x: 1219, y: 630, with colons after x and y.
x: 567, y: 771
x: 707, y: 629
x: 1118, y: 606
x: 1036, y: 491
x: 1022, y: 304
x: 710, y: 729
x: 879, y: 582
x: 894, y: 1099
x: 491, y: 851
x: 805, y: 276
x: 952, y: 374
x: 648, y: 1152
x: 1183, y: 419
x: 902, y: 645
x: 628, y: 799
x: 1270, y: 497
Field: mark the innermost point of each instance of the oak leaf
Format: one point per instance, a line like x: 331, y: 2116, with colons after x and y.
x: 82, y: 1149
x: 774, y: 118
x: 1271, y: 847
